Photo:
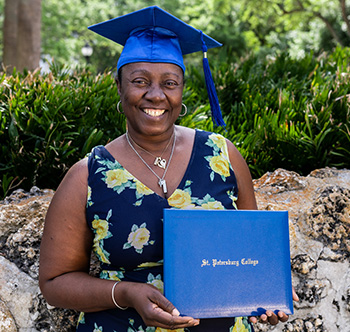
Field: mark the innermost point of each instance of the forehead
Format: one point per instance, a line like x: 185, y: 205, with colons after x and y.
x: 150, y: 68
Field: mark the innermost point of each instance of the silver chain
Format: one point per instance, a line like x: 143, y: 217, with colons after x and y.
x: 161, y: 181
x: 159, y: 161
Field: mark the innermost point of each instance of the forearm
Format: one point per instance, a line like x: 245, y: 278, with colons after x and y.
x: 79, y: 291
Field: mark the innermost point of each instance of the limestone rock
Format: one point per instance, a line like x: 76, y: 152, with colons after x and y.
x: 319, y: 218
x: 7, y: 323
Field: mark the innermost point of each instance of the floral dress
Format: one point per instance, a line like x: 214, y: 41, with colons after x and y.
x: 126, y: 218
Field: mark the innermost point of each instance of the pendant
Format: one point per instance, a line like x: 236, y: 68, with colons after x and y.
x: 162, y: 183
x: 160, y: 162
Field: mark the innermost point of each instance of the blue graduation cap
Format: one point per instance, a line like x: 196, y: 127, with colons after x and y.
x: 153, y: 35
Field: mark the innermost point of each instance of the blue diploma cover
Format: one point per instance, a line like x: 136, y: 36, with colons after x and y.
x: 227, y: 263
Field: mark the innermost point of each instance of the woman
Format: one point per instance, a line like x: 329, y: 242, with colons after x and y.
x: 112, y: 202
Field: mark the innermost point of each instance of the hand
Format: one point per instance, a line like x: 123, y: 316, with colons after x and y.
x: 271, y: 317
x: 154, y: 308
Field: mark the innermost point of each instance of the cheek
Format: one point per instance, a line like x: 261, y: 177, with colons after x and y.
x: 129, y: 96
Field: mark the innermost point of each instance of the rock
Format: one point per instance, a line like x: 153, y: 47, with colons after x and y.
x: 21, y: 225
x: 7, y: 323
x: 319, y: 217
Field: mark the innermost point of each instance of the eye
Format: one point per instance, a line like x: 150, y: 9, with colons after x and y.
x: 139, y: 81
x: 170, y: 83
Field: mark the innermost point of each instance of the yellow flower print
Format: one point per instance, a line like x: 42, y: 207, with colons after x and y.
x: 142, y: 189
x: 101, y: 230
x: 97, y: 328
x: 156, y: 282
x: 216, y: 205
x: 150, y: 264
x: 88, y: 200
x: 218, y: 140
x: 116, y: 177
x: 220, y: 165
x: 138, y: 238
x: 81, y: 319
x: 180, y: 199
x: 111, y: 275
x: 233, y: 198
x: 100, y: 253
x: 101, y: 227
x: 239, y: 326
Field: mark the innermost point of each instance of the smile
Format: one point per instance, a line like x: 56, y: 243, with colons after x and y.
x: 153, y: 112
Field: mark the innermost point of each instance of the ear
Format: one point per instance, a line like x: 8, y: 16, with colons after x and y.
x: 119, y: 86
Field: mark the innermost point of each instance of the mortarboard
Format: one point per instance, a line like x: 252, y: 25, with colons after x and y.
x: 153, y: 35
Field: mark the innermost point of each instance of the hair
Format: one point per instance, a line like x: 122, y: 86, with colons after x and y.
x: 119, y: 76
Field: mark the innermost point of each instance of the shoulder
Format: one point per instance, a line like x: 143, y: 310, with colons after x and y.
x: 78, y: 172
x: 73, y: 188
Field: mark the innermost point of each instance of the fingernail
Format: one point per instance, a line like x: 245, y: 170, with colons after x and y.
x: 175, y: 312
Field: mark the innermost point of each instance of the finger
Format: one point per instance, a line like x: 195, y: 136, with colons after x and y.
x: 168, y: 320
x: 295, y: 295
x: 271, y: 317
x: 176, y: 322
x: 253, y: 319
x: 175, y: 312
x: 263, y: 319
x: 164, y: 304
x: 282, y: 316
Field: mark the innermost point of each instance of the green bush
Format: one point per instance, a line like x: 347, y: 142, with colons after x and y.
x: 289, y: 113
x: 49, y: 122
x: 279, y: 112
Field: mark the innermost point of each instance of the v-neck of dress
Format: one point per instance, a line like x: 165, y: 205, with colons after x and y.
x: 181, y: 184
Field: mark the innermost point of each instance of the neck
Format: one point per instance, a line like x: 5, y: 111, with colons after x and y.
x: 153, y: 143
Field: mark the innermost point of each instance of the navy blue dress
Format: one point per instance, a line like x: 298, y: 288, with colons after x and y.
x: 126, y: 218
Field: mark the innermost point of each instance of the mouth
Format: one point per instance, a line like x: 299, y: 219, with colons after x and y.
x: 154, y: 112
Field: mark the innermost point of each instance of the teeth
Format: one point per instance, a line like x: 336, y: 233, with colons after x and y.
x: 153, y: 112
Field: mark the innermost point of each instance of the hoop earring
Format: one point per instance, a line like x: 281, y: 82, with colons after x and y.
x: 185, y: 110
x: 118, y: 109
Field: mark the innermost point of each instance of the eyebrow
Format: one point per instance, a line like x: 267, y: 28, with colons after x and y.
x: 144, y: 71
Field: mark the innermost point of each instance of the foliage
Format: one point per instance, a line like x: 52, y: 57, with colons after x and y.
x: 280, y: 112
x: 49, y: 122
x: 242, y: 26
x: 289, y: 113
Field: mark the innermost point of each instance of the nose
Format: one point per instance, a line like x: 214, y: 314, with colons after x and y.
x: 155, y: 93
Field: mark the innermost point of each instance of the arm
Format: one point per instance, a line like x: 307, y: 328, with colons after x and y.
x: 65, y: 258
x: 246, y: 198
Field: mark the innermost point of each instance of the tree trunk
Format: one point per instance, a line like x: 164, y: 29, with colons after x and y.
x: 345, y: 15
x: 22, y: 37
x: 10, y: 34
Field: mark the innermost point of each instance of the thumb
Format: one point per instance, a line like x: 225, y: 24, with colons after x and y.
x: 175, y: 312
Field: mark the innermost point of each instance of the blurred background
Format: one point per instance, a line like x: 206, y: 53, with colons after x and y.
x: 36, y: 30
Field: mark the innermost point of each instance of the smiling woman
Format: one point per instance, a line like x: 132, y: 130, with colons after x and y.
x: 151, y: 97
x: 112, y: 202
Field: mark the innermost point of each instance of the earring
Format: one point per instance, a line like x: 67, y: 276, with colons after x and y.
x: 185, y: 107
x: 118, y: 109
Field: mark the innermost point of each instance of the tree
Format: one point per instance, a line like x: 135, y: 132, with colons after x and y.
x: 21, y: 37
x: 284, y: 16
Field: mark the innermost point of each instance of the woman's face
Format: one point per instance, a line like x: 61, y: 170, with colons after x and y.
x: 151, y: 96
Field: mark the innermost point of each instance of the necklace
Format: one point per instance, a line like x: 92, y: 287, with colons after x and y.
x: 161, y: 180
x: 159, y: 161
